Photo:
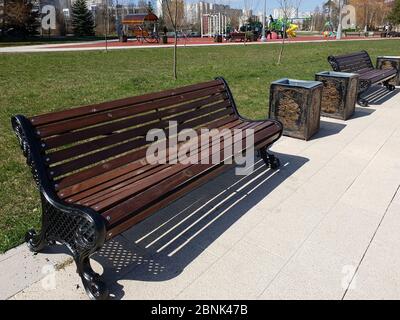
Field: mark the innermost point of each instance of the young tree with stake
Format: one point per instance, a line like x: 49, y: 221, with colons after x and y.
x: 174, y: 11
x: 287, y: 7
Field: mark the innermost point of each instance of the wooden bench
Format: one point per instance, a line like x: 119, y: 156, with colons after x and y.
x: 353, y: 33
x: 90, y: 165
x: 393, y: 34
x: 241, y: 36
x: 360, y: 63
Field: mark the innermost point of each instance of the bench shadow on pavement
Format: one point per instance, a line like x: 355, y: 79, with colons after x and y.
x: 378, y: 95
x: 160, y: 247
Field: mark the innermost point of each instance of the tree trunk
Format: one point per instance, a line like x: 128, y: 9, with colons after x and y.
x: 282, y: 47
x: 175, y: 55
x: 4, y: 19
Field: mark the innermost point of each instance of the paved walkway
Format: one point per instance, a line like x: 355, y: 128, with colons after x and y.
x: 325, y: 226
x: 194, y: 42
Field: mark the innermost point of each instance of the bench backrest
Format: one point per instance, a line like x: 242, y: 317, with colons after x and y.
x: 238, y: 34
x: 84, y: 142
x: 357, y: 62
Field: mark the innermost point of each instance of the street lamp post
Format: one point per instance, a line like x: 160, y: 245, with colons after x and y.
x: 339, y: 29
x: 263, y: 38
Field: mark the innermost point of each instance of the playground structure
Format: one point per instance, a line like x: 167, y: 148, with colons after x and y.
x: 291, y: 31
x: 328, y: 31
x: 279, y: 25
x: 143, y: 26
x: 213, y: 24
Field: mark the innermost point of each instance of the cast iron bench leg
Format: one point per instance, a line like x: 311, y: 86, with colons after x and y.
x: 36, y: 242
x: 364, y: 85
x: 69, y: 229
x: 270, y: 160
x: 362, y: 102
x: 389, y: 86
x: 95, y: 288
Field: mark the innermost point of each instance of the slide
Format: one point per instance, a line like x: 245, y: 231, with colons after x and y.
x: 291, y: 31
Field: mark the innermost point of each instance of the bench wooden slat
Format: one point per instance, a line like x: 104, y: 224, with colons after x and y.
x: 99, y: 118
x: 114, y: 173
x: 181, y: 190
x: 92, y: 109
x: 117, y: 137
x: 91, y: 196
x: 114, y: 181
x: 354, y: 62
x: 71, y: 137
x: 122, y: 160
x: 129, y: 190
x: 160, y: 203
x: 127, y: 184
x: 96, y: 157
x: 132, y: 204
x: 84, y: 161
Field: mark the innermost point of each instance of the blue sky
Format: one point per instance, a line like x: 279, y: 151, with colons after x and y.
x: 306, y: 5
x: 309, y: 5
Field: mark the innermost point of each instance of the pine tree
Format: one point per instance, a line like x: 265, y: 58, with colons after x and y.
x: 82, y: 19
x: 20, y: 18
x: 150, y: 6
x: 394, y: 16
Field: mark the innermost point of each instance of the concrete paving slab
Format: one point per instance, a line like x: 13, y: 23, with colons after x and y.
x: 60, y: 285
x: 377, y: 276
x: 346, y: 232
x: 243, y: 273
x: 313, y: 273
x: 19, y: 268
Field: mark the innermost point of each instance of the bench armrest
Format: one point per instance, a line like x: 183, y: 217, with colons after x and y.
x: 79, y: 227
x: 334, y: 63
x: 233, y: 104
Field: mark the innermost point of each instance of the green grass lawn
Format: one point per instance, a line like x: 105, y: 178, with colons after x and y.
x: 36, y: 83
x: 29, y: 43
x: 44, y: 40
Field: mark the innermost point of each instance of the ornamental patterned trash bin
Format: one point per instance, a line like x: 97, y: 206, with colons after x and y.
x: 387, y: 62
x: 339, y: 94
x: 297, y: 104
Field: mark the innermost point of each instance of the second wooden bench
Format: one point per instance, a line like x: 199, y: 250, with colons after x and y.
x: 360, y: 63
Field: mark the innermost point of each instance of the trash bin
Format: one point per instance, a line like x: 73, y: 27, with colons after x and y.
x: 339, y: 95
x: 123, y: 38
x: 297, y: 104
x: 386, y: 62
x: 218, y: 38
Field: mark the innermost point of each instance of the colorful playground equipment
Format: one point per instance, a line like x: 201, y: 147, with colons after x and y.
x: 280, y: 24
x: 291, y: 31
x: 328, y: 31
x: 143, y: 26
